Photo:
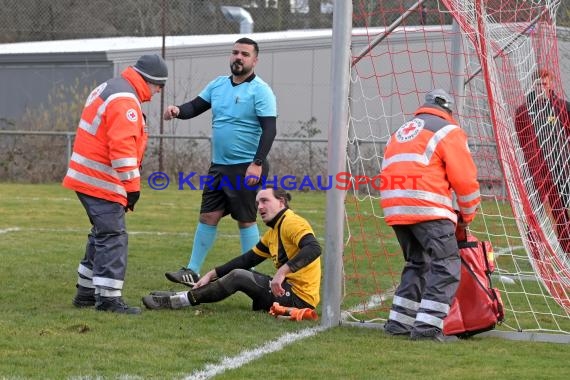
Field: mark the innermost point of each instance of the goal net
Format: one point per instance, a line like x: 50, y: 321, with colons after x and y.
x: 490, y: 55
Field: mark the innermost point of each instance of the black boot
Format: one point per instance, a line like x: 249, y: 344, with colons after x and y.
x: 85, y: 297
x: 116, y: 305
x: 435, y: 335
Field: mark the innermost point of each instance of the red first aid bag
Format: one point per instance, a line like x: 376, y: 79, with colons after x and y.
x: 477, y: 306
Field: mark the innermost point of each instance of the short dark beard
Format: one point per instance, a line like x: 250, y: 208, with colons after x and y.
x: 237, y: 71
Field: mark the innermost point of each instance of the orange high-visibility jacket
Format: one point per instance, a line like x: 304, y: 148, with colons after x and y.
x: 425, y: 159
x: 111, y: 140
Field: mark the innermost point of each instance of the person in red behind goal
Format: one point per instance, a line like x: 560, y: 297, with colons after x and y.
x: 543, y: 129
x: 432, y: 149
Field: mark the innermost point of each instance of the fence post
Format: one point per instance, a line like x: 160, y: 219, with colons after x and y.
x: 68, y: 136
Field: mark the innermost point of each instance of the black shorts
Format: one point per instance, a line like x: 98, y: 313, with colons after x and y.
x: 225, y: 189
x: 263, y: 298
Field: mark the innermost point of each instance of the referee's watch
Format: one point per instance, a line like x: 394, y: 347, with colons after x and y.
x: 258, y: 162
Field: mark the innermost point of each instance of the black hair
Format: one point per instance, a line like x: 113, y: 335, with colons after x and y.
x: 249, y: 41
x: 279, y: 193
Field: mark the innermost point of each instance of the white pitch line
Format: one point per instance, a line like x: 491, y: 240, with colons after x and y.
x: 501, y: 251
x: 374, y: 300
x: 228, y: 363
x: 84, y: 230
x: 53, y: 199
x: 9, y: 229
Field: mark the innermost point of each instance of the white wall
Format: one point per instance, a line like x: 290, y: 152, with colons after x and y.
x: 295, y: 63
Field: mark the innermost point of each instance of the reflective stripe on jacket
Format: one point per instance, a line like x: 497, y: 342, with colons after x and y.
x: 425, y: 159
x: 111, y: 140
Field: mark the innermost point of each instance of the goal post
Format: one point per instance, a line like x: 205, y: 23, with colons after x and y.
x: 486, y: 53
x: 340, y: 80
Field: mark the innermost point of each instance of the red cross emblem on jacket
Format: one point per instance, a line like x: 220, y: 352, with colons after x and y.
x: 409, y: 130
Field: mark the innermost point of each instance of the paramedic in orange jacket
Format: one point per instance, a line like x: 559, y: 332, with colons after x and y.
x: 104, y: 172
x: 432, y: 151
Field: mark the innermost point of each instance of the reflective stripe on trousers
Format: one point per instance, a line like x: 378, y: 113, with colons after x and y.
x: 105, y: 257
x: 430, y: 276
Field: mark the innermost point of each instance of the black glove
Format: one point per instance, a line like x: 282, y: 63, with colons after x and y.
x: 132, y: 198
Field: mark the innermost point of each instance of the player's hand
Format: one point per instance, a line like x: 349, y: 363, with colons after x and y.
x: 171, y: 112
x: 206, y: 279
x: 253, y: 174
x: 277, y: 281
x: 276, y: 285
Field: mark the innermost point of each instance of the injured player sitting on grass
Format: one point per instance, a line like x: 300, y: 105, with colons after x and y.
x: 290, y: 243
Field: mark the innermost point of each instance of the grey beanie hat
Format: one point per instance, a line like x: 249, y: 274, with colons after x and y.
x: 441, y: 98
x: 152, y: 68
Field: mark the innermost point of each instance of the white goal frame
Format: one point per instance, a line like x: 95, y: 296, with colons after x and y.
x: 337, y: 154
